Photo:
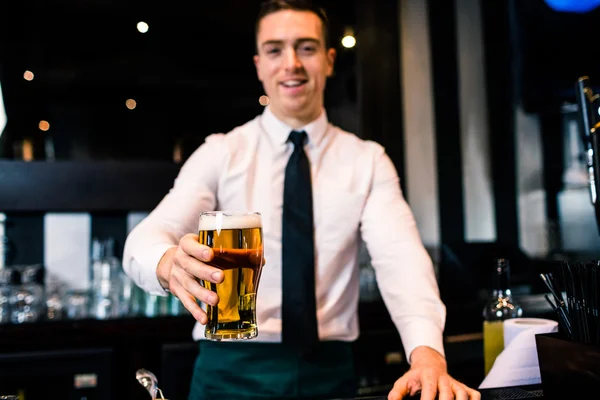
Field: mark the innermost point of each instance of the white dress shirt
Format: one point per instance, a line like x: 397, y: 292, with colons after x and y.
x: 356, y: 193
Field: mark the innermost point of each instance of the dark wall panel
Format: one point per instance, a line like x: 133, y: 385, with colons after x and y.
x: 501, y: 62
x: 26, y: 238
x: 442, y: 28
x: 110, y: 226
x: 378, y: 66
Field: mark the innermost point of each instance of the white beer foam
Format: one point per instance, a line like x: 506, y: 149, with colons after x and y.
x: 224, y: 220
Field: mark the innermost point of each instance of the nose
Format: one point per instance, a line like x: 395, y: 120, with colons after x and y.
x: 291, y: 60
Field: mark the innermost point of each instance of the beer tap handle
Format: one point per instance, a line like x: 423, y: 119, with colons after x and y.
x: 582, y: 95
x: 587, y: 103
x: 595, y: 175
x: 594, y: 109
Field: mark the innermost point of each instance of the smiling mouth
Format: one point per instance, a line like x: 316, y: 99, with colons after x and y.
x: 293, y: 83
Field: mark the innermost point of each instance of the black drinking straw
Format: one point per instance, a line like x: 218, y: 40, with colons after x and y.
x: 559, y: 307
x: 575, y: 299
x: 568, y: 280
x: 561, y: 319
x: 583, y: 302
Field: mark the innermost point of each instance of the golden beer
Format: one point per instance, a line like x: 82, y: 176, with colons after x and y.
x: 237, y: 243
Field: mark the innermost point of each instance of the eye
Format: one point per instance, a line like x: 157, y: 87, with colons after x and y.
x: 273, y: 50
x: 308, y: 48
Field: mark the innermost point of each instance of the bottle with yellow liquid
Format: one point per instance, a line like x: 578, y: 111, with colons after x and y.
x: 500, y: 307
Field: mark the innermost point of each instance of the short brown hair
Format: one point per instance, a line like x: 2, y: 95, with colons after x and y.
x: 272, y: 6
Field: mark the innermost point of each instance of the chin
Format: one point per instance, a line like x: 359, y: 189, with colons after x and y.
x: 297, y: 109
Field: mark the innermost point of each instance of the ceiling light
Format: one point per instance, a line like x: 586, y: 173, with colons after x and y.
x: 142, y: 27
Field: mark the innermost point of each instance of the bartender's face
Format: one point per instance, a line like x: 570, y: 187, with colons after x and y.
x: 293, y: 64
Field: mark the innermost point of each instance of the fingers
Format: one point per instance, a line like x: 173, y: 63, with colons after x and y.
x: 431, y: 387
x: 190, y: 252
x: 403, y: 387
x: 188, y: 267
x: 451, y: 389
x: 198, y: 269
x: 460, y: 393
x: 189, y: 244
x: 191, y: 285
x: 189, y: 302
x: 473, y: 394
x: 446, y: 389
x: 192, y: 291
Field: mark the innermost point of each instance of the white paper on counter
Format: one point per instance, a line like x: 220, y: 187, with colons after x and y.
x: 518, y: 363
x: 67, y: 250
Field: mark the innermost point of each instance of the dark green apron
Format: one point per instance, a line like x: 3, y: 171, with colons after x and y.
x: 253, y: 371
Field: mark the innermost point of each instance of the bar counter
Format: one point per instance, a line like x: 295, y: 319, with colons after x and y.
x: 97, y: 358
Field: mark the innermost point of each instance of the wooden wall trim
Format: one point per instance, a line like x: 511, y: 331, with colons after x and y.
x: 84, y: 186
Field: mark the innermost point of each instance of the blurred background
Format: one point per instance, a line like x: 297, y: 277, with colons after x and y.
x: 131, y: 80
x: 103, y: 101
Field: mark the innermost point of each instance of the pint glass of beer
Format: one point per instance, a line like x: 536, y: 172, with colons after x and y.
x: 237, y: 243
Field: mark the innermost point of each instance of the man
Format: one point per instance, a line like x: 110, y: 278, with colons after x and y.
x: 355, y: 190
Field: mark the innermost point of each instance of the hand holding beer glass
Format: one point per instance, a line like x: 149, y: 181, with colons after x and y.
x: 237, y: 244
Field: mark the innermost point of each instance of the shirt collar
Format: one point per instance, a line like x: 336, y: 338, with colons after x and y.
x: 279, y: 132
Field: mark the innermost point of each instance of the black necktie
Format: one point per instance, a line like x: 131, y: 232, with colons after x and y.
x: 299, y: 315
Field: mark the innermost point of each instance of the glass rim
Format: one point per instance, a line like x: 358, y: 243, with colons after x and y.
x: 227, y: 213
x: 217, y: 220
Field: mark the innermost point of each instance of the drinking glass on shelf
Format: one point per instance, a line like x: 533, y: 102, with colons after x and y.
x: 27, y: 297
x: 77, y: 304
x: 54, y: 305
x: 6, y: 280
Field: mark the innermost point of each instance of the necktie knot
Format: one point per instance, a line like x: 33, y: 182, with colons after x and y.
x: 297, y: 138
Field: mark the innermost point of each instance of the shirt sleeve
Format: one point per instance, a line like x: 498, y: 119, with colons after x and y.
x: 177, y: 214
x: 404, y: 270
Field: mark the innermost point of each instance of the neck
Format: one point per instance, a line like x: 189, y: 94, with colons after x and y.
x: 297, y: 121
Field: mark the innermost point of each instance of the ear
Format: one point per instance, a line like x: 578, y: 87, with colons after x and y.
x: 330, y: 61
x: 256, y: 60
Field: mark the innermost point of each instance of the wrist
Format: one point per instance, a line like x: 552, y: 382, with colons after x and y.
x: 426, y: 355
x: 163, y: 269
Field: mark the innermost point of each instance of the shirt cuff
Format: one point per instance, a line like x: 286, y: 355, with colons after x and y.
x: 148, y: 263
x: 425, y: 334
